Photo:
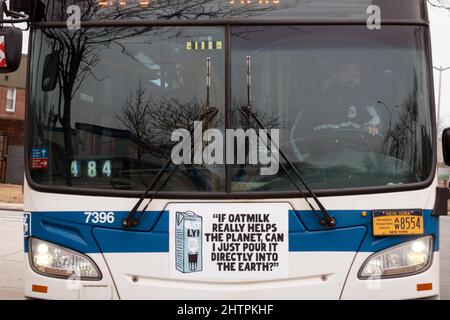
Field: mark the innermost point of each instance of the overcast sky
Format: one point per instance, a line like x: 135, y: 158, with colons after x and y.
x: 440, y: 33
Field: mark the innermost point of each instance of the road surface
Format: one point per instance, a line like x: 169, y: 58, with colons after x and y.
x: 11, y: 255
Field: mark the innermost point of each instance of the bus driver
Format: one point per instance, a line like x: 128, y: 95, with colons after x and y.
x: 345, y: 106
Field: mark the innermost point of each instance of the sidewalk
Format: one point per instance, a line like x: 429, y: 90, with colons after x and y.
x: 11, y: 257
x: 11, y: 206
x: 11, y: 197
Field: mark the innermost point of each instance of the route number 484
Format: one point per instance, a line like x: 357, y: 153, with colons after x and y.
x: 91, y: 169
x: 99, y: 217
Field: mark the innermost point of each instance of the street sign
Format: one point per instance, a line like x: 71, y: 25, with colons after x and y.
x: 39, y: 158
x: 39, y: 163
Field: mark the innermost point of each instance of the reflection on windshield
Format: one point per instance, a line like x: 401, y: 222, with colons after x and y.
x: 354, y: 104
x: 163, y: 10
x: 121, y: 92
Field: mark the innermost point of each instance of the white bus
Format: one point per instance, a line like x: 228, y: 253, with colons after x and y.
x: 341, y: 90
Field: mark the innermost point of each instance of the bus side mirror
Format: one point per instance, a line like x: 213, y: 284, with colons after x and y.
x: 446, y: 146
x: 10, y: 49
x: 50, y: 73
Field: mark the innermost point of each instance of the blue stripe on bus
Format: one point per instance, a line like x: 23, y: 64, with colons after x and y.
x: 353, y: 232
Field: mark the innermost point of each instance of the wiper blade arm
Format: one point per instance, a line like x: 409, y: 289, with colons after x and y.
x: 131, y: 220
x: 210, y: 113
x: 327, y: 220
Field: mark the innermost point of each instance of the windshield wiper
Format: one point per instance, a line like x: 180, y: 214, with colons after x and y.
x: 247, y: 111
x: 133, y: 219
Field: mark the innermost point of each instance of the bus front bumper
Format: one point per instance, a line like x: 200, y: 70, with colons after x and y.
x: 324, y: 281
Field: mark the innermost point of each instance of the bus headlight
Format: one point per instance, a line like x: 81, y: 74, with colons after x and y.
x: 405, y: 259
x: 55, y: 261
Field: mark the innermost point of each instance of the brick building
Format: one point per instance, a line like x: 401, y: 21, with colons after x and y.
x: 12, y: 115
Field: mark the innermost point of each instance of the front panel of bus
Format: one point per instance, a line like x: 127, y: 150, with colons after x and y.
x: 227, y: 112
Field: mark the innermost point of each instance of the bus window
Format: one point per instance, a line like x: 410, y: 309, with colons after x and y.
x: 352, y: 106
x: 108, y: 124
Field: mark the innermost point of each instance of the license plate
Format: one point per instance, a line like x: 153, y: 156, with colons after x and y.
x: 397, y: 222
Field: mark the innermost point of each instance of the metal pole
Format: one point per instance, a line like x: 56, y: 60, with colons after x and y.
x: 440, y: 95
x: 440, y: 69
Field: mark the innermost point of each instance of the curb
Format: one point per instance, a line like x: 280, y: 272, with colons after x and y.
x: 11, y: 206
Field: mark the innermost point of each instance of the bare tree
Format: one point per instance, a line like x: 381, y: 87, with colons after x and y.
x: 171, y: 114
x: 165, y: 10
x: 136, y: 117
x: 444, y: 4
x: 402, y: 140
x: 79, y: 50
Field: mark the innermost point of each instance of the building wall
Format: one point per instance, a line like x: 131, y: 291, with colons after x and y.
x: 12, y: 123
x: 15, y: 80
x: 14, y: 165
x: 19, y: 113
x: 14, y: 130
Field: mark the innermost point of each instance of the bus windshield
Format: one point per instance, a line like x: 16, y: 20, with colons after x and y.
x: 352, y: 105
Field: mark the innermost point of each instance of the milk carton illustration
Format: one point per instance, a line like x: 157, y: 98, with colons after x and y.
x: 188, y: 242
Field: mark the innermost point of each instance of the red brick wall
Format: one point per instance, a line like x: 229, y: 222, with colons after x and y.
x: 20, y: 104
x: 14, y: 129
x: 12, y: 123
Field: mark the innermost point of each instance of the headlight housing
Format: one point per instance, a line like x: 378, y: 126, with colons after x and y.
x: 405, y: 259
x: 55, y: 261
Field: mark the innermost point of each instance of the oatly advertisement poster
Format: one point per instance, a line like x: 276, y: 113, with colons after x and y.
x: 224, y: 241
